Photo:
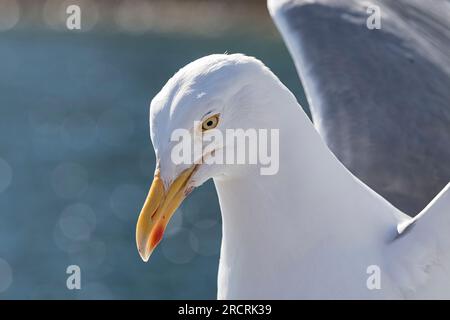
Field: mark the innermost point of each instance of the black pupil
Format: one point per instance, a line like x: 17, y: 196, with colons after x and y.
x: 209, y: 123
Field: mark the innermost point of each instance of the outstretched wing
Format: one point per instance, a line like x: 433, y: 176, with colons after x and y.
x: 379, y: 97
x: 419, y: 259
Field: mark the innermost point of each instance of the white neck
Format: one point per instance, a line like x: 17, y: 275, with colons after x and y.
x: 262, y: 221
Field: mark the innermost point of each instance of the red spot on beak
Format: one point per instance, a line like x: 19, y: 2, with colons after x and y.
x: 157, y: 235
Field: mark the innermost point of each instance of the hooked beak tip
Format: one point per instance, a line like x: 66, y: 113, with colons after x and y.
x: 158, y: 208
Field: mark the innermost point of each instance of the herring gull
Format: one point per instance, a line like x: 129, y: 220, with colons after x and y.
x: 312, y: 230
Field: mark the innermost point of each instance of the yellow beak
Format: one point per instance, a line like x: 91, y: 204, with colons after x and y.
x: 157, y: 211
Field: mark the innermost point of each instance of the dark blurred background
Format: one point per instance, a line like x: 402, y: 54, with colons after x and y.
x: 75, y: 155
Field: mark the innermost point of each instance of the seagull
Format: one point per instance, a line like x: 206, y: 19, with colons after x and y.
x: 312, y: 230
x: 378, y: 94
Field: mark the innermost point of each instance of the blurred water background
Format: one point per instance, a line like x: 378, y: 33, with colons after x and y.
x: 75, y: 156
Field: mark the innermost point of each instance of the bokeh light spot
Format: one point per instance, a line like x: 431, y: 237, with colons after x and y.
x: 135, y: 16
x: 206, y: 241
x: 9, y: 14
x: 6, y: 275
x: 77, y: 221
x: 179, y: 248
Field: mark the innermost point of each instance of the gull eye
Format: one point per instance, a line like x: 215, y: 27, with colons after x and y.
x: 210, y: 123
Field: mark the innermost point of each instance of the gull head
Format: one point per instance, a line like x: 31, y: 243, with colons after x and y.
x: 189, y: 118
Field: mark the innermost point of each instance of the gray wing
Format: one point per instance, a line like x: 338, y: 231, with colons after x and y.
x: 380, y: 98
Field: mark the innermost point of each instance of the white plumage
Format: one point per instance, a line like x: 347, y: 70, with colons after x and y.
x: 311, y: 230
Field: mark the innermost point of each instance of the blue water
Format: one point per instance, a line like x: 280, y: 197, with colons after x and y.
x: 76, y: 163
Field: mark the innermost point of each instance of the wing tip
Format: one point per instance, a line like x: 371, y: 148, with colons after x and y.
x: 402, y: 226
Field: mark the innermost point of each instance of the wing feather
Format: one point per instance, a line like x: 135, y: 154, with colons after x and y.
x: 379, y: 98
